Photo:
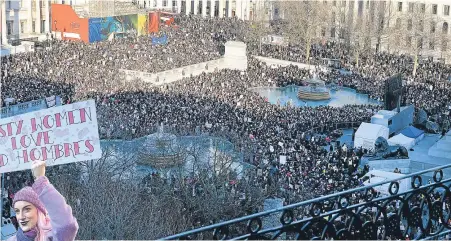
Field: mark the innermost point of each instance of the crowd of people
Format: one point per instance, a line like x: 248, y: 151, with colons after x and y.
x: 222, y: 103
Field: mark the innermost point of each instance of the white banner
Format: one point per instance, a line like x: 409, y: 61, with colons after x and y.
x: 58, y: 135
x: 51, y: 101
x: 283, y: 160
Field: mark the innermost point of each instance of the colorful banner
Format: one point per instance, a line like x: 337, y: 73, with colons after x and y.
x: 142, y: 24
x: 66, y: 21
x: 163, y: 40
x: 154, y: 22
x: 102, y: 28
x: 58, y: 135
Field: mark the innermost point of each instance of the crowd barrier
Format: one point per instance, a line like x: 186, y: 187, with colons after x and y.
x: 169, y: 76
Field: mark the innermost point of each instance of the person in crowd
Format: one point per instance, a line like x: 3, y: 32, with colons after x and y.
x: 42, y: 212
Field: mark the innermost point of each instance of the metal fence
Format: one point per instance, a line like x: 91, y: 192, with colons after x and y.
x: 421, y: 212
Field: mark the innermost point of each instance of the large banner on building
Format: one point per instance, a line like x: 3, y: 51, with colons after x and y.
x: 102, y: 28
x: 143, y: 21
x: 68, y: 23
x: 154, y: 22
x: 58, y: 135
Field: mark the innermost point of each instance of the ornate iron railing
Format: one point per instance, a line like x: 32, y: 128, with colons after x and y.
x: 416, y: 211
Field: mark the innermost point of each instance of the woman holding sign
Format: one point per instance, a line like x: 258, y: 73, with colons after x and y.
x: 42, y: 212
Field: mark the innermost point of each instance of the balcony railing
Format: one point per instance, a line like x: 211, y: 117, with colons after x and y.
x: 421, y: 211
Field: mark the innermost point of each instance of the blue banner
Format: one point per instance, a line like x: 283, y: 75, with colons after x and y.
x: 30, y: 106
x: 163, y: 40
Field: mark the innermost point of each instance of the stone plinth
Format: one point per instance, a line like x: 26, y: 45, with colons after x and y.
x: 235, y: 55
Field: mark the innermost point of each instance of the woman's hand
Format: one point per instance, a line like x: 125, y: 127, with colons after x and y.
x: 38, y: 169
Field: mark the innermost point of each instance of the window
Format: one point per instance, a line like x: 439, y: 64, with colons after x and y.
x: 411, y: 7
x: 431, y: 45
x: 409, y: 24
x: 432, y: 27
x: 420, y: 43
x: 332, y: 33
x: 409, y: 41
x: 22, y: 26
x: 398, y: 23
x: 9, y: 27
x: 360, y: 8
x: 399, y: 6
x: 333, y: 18
x: 445, y: 28
x: 367, y: 4
x: 334, y: 3
x: 444, y: 44
x: 33, y: 27
x: 343, y: 3
x: 423, y: 7
x: 421, y: 26
x: 351, y: 5
x: 165, y: 3
x: 342, y: 34
x: 434, y: 8
x: 446, y: 10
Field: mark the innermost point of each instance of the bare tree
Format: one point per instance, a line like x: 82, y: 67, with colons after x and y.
x: 260, y: 23
x: 112, y: 200
x: 417, y: 28
x: 305, y: 20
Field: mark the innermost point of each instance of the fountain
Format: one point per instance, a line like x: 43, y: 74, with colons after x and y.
x: 161, y: 150
x: 316, y: 90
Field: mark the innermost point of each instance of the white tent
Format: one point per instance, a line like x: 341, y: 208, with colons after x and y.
x: 367, y: 134
x: 401, y: 140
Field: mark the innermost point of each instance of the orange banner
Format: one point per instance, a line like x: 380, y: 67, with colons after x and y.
x: 154, y: 22
x: 71, y: 26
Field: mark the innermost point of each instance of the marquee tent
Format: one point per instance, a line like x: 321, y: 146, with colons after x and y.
x: 402, y: 140
x: 414, y: 133
x: 367, y: 134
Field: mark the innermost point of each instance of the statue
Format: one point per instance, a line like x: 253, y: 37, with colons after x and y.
x: 384, y: 151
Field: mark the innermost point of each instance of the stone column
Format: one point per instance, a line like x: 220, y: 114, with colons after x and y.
x: 47, y: 16
x: 16, y: 24
x: 238, y: 9
x: 38, y: 17
x: 30, y: 17
x: 248, y: 10
x: 179, y: 6
x: 212, y: 8
x: 204, y: 8
x: 188, y: 6
x: 229, y: 9
x: 4, y: 29
x: 196, y: 7
x: 221, y: 8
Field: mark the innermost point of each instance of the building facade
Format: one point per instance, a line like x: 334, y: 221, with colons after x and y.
x: 242, y: 9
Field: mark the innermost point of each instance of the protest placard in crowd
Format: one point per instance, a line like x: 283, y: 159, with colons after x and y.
x: 58, y: 135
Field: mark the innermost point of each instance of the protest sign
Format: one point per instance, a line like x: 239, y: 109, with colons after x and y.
x: 58, y: 135
x: 283, y: 160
